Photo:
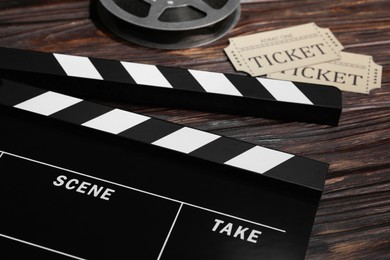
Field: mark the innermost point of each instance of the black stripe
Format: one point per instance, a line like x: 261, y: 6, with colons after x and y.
x: 151, y: 130
x: 81, y: 112
x: 301, y: 171
x: 180, y: 79
x: 222, y: 150
x: 249, y: 87
x: 30, y: 61
x: 13, y: 93
x: 321, y: 95
x: 112, y: 71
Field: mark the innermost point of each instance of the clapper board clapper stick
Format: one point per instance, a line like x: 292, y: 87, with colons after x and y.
x: 154, y: 84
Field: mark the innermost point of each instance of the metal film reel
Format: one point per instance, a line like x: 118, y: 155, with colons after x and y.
x: 169, y: 24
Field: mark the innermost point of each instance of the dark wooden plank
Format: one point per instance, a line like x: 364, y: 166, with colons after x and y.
x: 353, y: 220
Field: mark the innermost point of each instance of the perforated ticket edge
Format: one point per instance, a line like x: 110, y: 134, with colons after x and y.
x: 256, y: 54
x: 359, y: 72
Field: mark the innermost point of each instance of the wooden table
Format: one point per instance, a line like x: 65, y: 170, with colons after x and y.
x: 353, y: 220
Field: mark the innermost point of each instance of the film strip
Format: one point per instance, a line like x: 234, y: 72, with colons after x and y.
x: 196, y: 143
x: 276, y: 99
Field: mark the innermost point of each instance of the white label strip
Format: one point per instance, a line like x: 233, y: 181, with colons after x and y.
x: 170, y: 231
x: 259, y: 159
x: 48, y: 103
x: 115, y: 121
x: 145, y: 74
x: 215, y: 82
x: 77, y: 66
x: 186, y: 140
x: 41, y: 247
x: 284, y: 91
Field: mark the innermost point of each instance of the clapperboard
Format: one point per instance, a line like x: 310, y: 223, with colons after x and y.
x: 86, y: 181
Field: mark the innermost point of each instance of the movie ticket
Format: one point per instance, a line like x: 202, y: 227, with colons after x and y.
x: 283, y: 49
x: 353, y: 72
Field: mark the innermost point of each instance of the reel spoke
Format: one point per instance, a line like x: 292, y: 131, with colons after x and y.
x: 156, y: 9
x: 202, y: 6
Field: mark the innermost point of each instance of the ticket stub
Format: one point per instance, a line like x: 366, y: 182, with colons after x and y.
x: 283, y: 49
x: 353, y: 72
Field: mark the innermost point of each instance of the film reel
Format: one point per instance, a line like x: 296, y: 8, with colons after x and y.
x: 169, y: 24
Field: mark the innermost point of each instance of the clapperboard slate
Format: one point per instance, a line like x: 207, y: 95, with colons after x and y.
x: 86, y: 181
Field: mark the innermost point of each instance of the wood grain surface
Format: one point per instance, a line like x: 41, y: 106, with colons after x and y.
x: 353, y: 220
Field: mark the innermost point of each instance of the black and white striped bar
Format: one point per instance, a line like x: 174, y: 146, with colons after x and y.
x: 182, y: 139
x: 228, y: 93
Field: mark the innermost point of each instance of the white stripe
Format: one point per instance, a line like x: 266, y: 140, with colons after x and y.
x: 115, y: 121
x: 41, y: 247
x: 145, y: 74
x: 48, y: 103
x: 170, y: 231
x: 259, y: 159
x: 186, y: 140
x: 77, y: 66
x: 215, y: 82
x: 284, y: 91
